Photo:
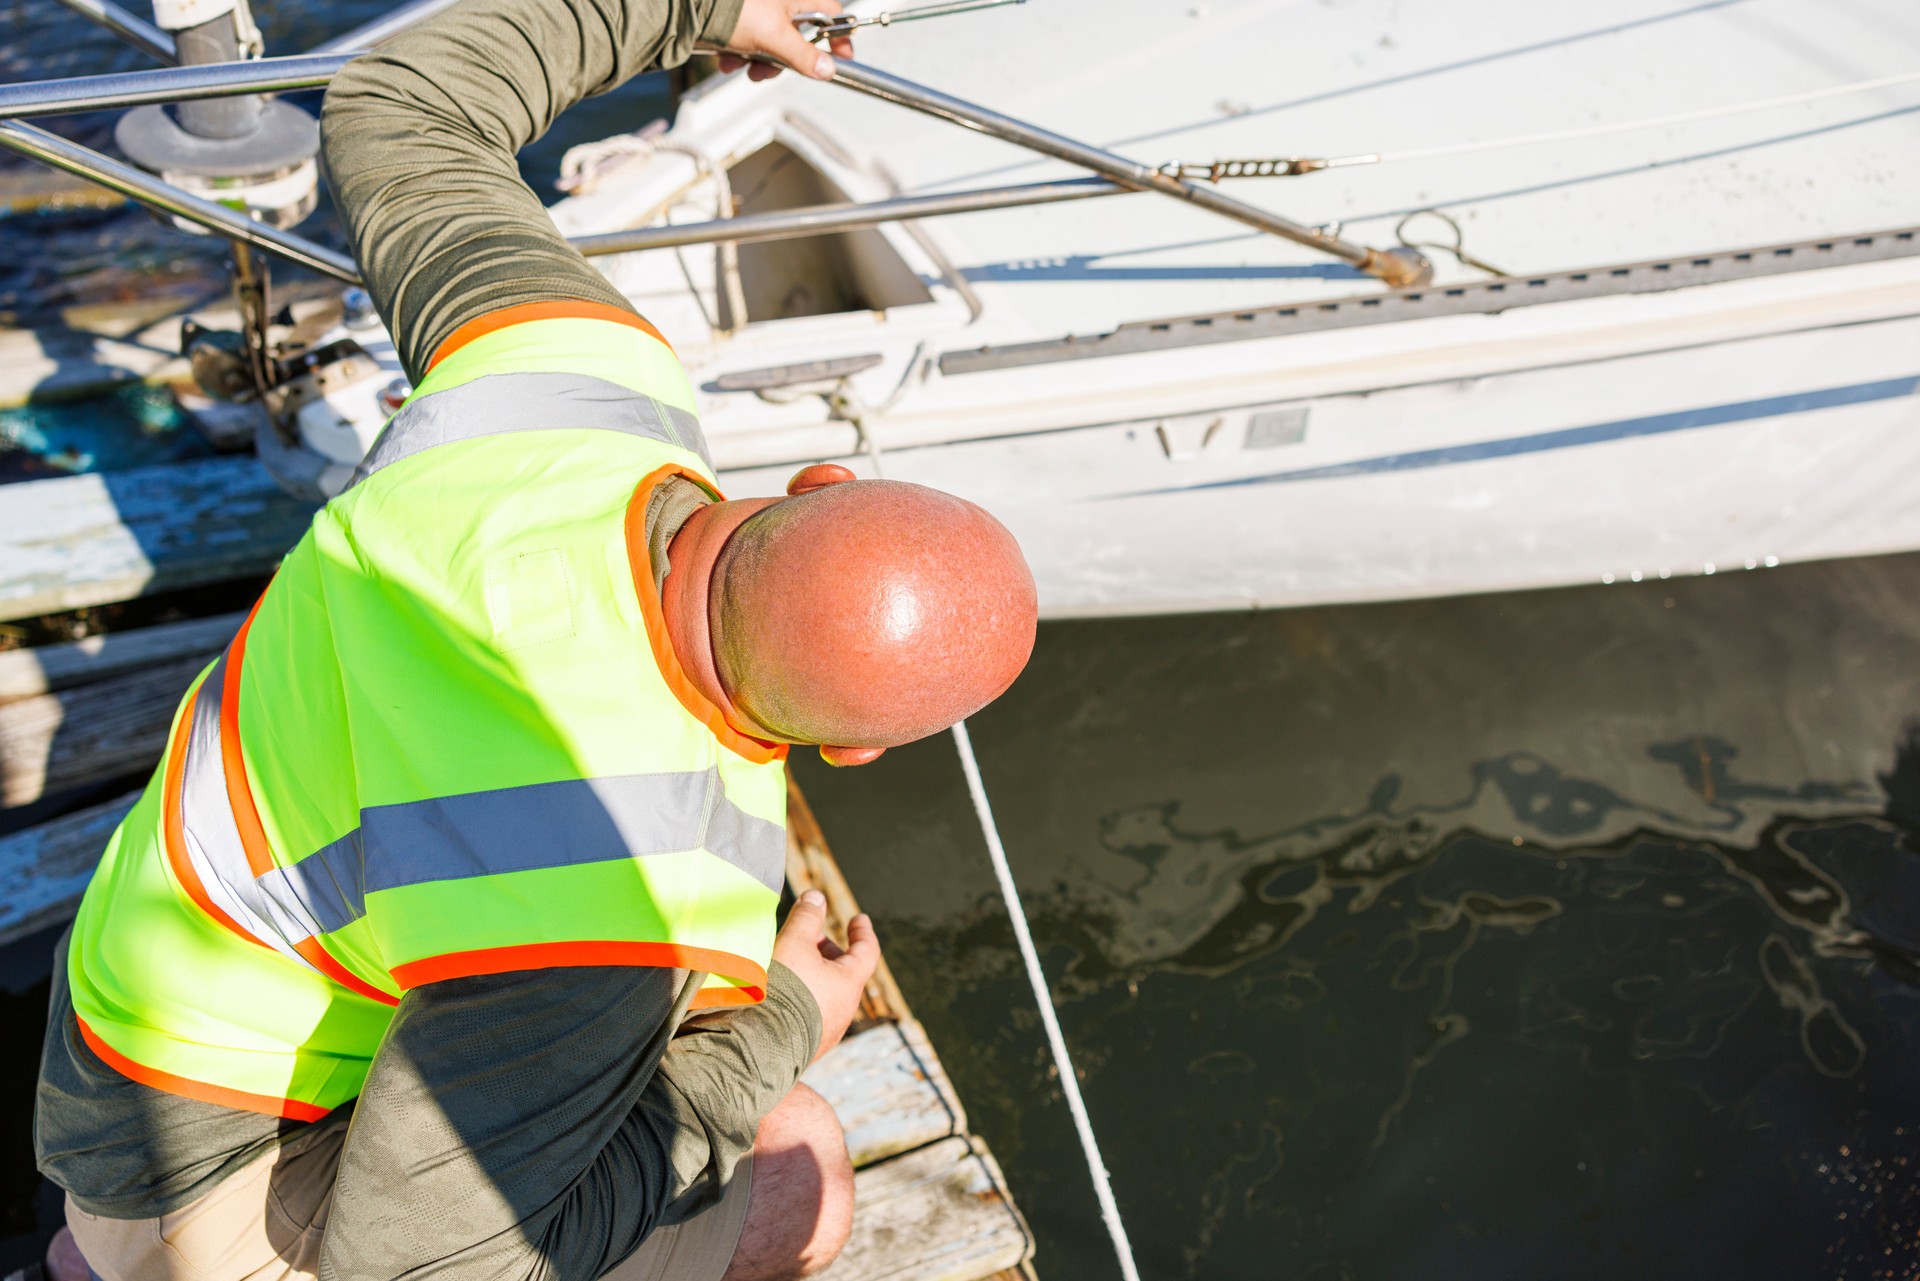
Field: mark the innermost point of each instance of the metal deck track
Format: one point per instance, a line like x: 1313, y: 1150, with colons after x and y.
x: 1425, y: 302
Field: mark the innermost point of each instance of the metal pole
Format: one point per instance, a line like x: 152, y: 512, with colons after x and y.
x: 387, y: 24
x: 820, y: 219
x: 1395, y: 269
x: 168, y: 84
x: 251, y: 299
x: 135, y: 30
x: 38, y: 144
x: 207, y: 44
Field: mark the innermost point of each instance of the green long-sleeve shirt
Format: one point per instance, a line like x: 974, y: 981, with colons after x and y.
x: 576, y: 1098
x: 420, y: 137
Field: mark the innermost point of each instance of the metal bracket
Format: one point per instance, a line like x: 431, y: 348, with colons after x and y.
x: 812, y: 371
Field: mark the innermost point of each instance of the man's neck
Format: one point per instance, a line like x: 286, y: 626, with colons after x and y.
x: 686, y: 596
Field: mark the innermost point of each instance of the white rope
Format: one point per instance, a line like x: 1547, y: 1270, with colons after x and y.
x: 1596, y: 131
x: 1036, y: 977
x: 585, y: 164
x: 1063, y: 1063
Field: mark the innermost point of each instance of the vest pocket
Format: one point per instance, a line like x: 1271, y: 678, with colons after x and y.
x: 530, y: 599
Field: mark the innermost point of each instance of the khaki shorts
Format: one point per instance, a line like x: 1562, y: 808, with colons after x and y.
x: 266, y: 1222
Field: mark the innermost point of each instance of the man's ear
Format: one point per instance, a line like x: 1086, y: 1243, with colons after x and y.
x: 818, y: 476
x: 849, y: 755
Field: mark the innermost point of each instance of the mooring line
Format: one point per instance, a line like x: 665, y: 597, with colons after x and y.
x: 1062, y: 1061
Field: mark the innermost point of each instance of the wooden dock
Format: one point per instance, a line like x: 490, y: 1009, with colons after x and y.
x: 81, y: 722
x: 930, y: 1203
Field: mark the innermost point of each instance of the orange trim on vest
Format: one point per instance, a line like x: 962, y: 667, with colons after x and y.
x: 557, y: 309
x: 713, y: 998
x: 246, y: 816
x: 187, y: 1087
x: 756, y: 750
x: 314, y: 954
x: 173, y: 835
x: 546, y: 956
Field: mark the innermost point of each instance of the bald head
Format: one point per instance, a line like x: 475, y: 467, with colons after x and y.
x: 868, y: 613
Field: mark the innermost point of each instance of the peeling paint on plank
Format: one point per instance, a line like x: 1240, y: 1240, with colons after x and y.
x: 89, y: 540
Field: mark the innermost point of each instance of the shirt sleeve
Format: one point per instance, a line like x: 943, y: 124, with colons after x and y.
x: 540, y: 1124
x: 419, y: 139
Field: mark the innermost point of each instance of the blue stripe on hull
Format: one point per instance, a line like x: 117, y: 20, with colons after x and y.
x: 1568, y: 438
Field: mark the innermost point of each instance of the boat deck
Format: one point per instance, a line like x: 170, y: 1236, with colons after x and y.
x: 78, y: 718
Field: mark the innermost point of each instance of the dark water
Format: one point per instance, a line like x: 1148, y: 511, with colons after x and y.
x: 1568, y: 934
x: 1564, y: 934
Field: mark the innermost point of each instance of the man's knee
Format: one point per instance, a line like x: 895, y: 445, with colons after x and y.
x: 801, y: 1211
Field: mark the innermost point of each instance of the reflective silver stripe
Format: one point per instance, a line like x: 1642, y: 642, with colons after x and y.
x: 752, y: 844
x: 497, y: 404
x: 328, y: 885
x: 213, y: 839
x: 520, y: 829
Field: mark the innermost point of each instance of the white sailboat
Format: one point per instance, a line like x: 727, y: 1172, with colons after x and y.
x: 1581, y: 419
x: 1673, y: 325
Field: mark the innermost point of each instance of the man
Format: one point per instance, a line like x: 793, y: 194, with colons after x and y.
x: 389, y: 972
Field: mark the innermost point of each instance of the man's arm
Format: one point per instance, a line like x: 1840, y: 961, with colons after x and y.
x: 419, y: 140
x: 541, y: 1123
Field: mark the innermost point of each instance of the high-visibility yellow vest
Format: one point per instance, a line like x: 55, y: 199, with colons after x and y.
x: 452, y: 739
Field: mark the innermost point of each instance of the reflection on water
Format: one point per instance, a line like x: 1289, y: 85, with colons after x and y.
x: 1569, y: 934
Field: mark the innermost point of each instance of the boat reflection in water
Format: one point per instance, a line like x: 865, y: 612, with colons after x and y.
x: 1564, y: 934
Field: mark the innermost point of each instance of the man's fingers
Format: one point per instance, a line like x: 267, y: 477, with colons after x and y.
x: 863, y: 944
x: 830, y: 949
x: 808, y: 919
x: 787, y: 44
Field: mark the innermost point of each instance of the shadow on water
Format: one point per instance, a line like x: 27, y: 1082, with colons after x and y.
x: 1569, y: 934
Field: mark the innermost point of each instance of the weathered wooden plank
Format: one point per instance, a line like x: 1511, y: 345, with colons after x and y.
x: 888, y: 1088
x: 107, y: 730
x: 45, y: 669
x: 945, y: 1247
x: 936, y: 1214
x: 45, y: 869
x: 811, y: 866
x: 96, y: 346
x: 69, y: 364
x: 37, y: 189
x: 88, y: 540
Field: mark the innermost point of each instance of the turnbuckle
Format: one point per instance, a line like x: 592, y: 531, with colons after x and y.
x: 822, y: 26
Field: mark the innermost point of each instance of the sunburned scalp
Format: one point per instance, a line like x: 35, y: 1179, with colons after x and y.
x: 869, y: 613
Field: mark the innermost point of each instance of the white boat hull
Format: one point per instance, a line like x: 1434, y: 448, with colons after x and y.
x: 1739, y: 454
x: 1769, y: 417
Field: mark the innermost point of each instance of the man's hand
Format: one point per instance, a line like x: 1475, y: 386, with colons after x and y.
x: 766, y: 27
x: 836, y: 977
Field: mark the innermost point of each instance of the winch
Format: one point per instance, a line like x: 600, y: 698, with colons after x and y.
x: 249, y: 150
x: 321, y: 404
